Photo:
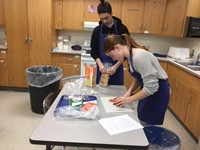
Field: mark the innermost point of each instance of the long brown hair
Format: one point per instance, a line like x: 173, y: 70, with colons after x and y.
x: 124, y: 39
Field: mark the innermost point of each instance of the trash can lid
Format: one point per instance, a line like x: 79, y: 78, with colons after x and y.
x: 161, y: 136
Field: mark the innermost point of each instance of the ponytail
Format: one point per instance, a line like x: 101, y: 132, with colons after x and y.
x: 124, y: 39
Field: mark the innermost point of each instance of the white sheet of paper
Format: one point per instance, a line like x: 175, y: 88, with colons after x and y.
x: 119, y: 124
x: 109, y: 107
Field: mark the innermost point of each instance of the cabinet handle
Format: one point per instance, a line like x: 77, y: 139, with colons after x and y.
x: 69, y: 59
x: 166, y: 26
x: 60, y: 2
x: 26, y: 40
x: 144, y: 26
x: 140, y: 25
x: 30, y: 40
x: 189, y: 98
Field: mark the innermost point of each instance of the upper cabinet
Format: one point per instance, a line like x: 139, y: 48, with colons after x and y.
x: 70, y: 14
x: 144, y: 16
x: 2, y: 14
x: 132, y: 14
x: 193, y: 8
x: 157, y: 17
x: 90, y: 9
x: 174, y: 17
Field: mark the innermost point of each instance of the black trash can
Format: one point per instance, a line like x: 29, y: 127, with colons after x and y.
x: 42, y: 80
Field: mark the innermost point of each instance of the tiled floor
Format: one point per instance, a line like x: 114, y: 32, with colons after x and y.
x: 17, y: 122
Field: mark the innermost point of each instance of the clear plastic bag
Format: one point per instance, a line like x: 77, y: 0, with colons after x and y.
x: 78, y: 102
x: 41, y: 76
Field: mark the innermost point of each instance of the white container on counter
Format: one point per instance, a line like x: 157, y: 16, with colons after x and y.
x: 65, y: 44
x: 60, y: 43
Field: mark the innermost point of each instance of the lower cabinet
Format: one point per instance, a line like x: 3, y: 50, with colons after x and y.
x: 192, y: 120
x: 164, y: 65
x: 185, y: 98
x: 3, y: 68
x: 70, y: 63
x: 127, y: 76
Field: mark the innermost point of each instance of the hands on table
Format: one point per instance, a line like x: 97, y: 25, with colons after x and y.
x: 120, y: 101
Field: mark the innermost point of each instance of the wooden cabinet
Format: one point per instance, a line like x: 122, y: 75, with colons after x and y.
x: 3, y: 68
x: 68, y: 14
x: 193, y: 111
x: 173, y: 22
x: 193, y: 8
x: 2, y: 13
x: 83, y: 10
x: 70, y: 63
x: 180, y: 90
x: 72, y: 16
x: 90, y: 10
x: 185, y: 98
x: 164, y: 65
x: 144, y: 16
x: 127, y: 76
x: 29, y: 32
x: 90, y: 5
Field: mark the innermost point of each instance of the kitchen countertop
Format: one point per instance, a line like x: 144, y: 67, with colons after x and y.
x: 165, y: 59
x: 69, y: 51
x: 171, y: 60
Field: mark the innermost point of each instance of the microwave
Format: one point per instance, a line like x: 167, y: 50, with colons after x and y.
x: 192, y: 27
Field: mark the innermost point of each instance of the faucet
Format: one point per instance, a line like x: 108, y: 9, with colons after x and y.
x: 198, y: 60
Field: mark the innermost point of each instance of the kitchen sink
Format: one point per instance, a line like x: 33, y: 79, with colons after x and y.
x: 186, y: 62
x: 194, y: 67
x: 189, y: 63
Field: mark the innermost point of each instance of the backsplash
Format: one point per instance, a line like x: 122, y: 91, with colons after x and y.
x: 157, y: 44
x: 2, y: 35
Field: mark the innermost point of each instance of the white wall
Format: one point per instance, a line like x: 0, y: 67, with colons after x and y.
x: 157, y: 44
x: 2, y: 35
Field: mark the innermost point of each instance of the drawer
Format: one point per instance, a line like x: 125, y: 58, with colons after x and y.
x: 70, y: 59
x: 3, y: 54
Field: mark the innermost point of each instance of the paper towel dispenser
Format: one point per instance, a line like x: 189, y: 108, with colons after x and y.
x: 90, y: 25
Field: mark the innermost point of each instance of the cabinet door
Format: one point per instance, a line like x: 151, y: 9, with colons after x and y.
x: 17, y: 32
x: 174, y: 17
x: 181, y: 100
x: 3, y: 73
x: 70, y: 69
x: 193, y: 8
x: 172, y: 82
x: 73, y: 14
x: 164, y: 65
x: 154, y: 11
x: 90, y: 10
x: 2, y: 12
x: 127, y: 76
x: 39, y: 26
x: 192, y: 120
x: 132, y: 14
x: 58, y: 6
x: 116, y: 7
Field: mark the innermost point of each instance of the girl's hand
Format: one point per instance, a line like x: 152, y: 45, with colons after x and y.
x: 112, y: 70
x: 121, y: 101
x: 102, y: 69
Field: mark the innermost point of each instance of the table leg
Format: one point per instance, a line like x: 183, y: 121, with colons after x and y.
x: 48, y: 147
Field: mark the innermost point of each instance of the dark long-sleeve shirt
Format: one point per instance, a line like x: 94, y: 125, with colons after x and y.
x: 106, y: 30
